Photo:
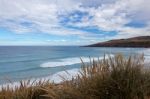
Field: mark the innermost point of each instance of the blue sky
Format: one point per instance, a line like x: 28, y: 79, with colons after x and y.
x: 71, y: 22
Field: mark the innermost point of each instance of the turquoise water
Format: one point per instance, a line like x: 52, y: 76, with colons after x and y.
x: 24, y: 62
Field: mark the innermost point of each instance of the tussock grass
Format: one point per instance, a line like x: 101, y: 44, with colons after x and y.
x: 113, y: 78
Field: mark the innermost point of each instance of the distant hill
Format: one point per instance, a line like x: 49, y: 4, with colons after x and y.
x: 141, y: 41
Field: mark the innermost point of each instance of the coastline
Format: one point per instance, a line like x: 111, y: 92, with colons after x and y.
x: 100, y: 76
x: 59, y: 77
x: 55, y: 78
x: 134, y: 42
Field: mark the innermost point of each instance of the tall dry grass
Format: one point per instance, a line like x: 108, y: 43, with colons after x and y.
x: 113, y: 78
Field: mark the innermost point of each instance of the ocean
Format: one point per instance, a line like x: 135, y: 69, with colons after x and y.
x: 28, y: 62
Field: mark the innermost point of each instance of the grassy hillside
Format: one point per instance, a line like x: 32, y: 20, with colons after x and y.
x: 113, y: 78
x: 142, y: 41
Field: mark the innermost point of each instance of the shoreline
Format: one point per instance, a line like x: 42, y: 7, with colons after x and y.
x: 98, y: 76
x: 55, y: 78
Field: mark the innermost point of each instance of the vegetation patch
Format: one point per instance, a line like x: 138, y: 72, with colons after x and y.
x: 113, y: 78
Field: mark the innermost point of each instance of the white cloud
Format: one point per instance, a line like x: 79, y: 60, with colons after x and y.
x: 42, y: 15
x: 115, y: 16
x: 124, y: 11
x: 27, y: 16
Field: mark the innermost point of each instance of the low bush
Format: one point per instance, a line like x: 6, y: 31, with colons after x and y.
x: 116, y: 77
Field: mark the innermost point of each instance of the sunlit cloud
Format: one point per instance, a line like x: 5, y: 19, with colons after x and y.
x: 91, y: 19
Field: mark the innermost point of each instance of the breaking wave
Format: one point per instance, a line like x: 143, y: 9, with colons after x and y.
x: 69, y: 61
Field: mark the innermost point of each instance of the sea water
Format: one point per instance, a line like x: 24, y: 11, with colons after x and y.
x: 28, y: 62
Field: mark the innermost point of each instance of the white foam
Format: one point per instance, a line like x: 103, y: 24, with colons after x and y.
x: 146, y: 53
x: 56, y: 78
x: 64, y: 62
x: 69, y: 61
x: 147, y: 59
x: 64, y: 75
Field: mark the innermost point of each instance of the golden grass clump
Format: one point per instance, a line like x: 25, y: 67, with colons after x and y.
x: 112, y: 78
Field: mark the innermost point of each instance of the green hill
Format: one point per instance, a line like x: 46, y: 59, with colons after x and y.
x: 142, y: 41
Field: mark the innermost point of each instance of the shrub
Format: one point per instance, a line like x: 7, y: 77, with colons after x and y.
x: 117, y: 77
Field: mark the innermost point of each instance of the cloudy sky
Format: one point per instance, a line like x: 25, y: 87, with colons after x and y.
x: 71, y: 22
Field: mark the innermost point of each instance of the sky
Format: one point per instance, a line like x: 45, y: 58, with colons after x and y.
x: 72, y: 22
